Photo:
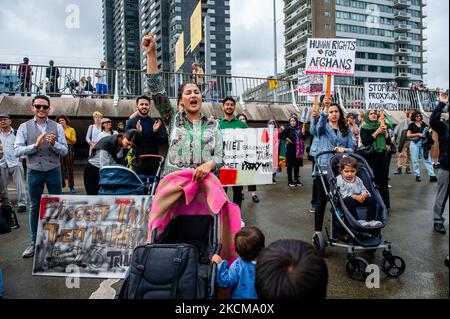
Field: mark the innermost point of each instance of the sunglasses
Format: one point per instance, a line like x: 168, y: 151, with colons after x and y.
x: 38, y: 107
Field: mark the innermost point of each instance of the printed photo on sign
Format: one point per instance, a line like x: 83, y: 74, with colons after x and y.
x: 313, y: 84
x: 248, y: 157
x: 331, y: 56
x: 95, y: 233
x: 381, y: 96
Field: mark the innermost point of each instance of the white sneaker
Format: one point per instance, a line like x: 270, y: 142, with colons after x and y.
x: 29, y: 252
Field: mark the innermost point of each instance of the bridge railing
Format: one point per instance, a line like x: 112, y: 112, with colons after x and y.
x: 17, y: 79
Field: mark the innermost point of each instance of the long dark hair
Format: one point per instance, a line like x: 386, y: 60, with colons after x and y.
x: 181, y: 90
x: 342, y: 123
x: 135, y: 137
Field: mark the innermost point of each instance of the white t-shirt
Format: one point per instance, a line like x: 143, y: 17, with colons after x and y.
x: 101, y: 76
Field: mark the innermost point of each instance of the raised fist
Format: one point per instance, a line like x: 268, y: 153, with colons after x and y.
x: 149, y: 43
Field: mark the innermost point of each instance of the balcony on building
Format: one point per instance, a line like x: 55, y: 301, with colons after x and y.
x: 296, y: 65
x: 424, y: 25
x: 402, y: 27
x: 290, y: 6
x: 403, y: 52
x: 402, y: 4
x: 424, y: 48
x: 424, y: 13
x: 424, y: 59
x: 423, y: 3
x: 402, y: 76
x: 425, y: 71
x: 402, y: 39
x: 303, y: 36
x: 403, y: 63
x: 292, y: 16
x: 402, y: 15
x: 297, y: 51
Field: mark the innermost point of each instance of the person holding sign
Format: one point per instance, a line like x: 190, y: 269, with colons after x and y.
x: 295, y: 150
x: 195, y: 141
x: 419, y: 133
x: 375, y: 137
x: 332, y: 133
x: 229, y: 121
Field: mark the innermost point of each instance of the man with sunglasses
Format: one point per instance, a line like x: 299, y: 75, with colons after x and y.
x: 42, y: 141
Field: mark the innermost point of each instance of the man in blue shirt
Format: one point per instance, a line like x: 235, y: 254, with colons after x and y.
x: 151, y: 131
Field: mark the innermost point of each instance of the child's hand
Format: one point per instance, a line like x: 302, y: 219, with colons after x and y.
x: 216, y: 259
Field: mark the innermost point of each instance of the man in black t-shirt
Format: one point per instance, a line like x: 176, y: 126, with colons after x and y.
x: 151, y: 131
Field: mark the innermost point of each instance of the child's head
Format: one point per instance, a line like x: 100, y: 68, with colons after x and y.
x: 348, y: 167
x: 249, y: 242
x: 291, y: 269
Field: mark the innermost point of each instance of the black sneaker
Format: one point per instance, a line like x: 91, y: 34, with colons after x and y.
x: 398, y: 172
x: 22, y: 209
x: 433, y: 179
x: 408, y: 171
x: 418, y: 179
x: 298, y: 183
x: 255, y: 199
x: 440, y: 228
x: 274, y: 181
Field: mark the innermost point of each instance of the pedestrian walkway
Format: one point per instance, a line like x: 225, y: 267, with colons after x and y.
x: 282, y: 213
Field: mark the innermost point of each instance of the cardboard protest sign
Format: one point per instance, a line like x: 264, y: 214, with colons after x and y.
x: 313, y: 84
x: 381, y: 96
x: 331, y: 56
x: 248, y: 157
x: 96, y: 235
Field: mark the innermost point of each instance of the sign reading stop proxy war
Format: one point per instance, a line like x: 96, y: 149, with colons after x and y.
x: 248, y: 156
x: 331, y: 56
x: 381, y: 96
x: 312, y: 84
x: 92, y: 235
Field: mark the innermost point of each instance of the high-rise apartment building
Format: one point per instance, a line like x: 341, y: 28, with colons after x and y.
x: 121, y: 43
x: 167, y: 19
x: 390, y: 36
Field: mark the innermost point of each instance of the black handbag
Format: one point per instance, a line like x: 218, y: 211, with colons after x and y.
x: 366, y: 150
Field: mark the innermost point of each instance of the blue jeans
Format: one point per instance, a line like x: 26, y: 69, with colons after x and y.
x: 36, y: 182
x: 416, y: 150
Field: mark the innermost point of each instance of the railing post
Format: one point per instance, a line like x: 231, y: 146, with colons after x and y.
x: 116, y: 90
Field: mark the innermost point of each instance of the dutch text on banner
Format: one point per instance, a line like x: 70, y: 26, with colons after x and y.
x: 313, y: 84
x: 95, y: 234
x: 381, y: 96
x: 331, y: 56
x: 248, y: 157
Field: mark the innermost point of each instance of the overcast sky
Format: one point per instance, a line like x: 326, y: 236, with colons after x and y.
x: 37, y: 29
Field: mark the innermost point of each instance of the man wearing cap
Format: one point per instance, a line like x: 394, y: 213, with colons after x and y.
x: 42, y: 141
x: 10, y: 165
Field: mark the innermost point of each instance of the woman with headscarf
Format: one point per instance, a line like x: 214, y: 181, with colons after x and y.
x: 375, y: 137
x: 294, y: 150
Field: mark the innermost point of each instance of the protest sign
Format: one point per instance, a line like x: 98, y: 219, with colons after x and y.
x: 248, y: 157
x: 331, y: 56
x: 381, y: 96
x: 96, y: 234
x: 312, y: 84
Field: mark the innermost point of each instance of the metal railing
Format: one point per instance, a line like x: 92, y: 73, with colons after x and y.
x: 16, y: 79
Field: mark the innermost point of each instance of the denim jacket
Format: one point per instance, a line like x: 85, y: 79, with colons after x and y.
x: 327, y: 139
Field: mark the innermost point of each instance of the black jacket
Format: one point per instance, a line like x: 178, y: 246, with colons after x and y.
x: 109, y: 144
x: 441, y: 128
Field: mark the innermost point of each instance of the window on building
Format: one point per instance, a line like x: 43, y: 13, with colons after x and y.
x: 328, y: 27
x: 326, y: 13
x: 373, y: 68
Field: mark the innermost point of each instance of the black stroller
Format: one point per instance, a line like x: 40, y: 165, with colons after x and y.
x: 177, y: 265
x: 347, y: 232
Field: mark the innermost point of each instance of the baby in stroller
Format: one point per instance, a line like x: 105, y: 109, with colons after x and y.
x: 354, y: 193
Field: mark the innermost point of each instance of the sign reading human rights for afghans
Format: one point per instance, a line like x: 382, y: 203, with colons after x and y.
x: 331, y: 56
x: 313, y: 84
x: 248, y: 157
x: 89, y: 236
x: 381, y: 96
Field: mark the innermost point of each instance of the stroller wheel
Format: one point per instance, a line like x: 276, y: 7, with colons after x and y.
x: 319, y: 242
x: 356, y: 268
x: 393, y: 266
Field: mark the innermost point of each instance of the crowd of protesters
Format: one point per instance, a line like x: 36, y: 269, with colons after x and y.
x: 48, y: 147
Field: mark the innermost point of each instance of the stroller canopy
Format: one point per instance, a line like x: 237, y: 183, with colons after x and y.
x: 119, y: 180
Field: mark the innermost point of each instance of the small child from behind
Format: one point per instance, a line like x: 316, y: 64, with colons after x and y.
x: 354, y: 193
x: 240, y: 276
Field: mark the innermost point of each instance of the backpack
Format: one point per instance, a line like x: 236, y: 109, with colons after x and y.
x: 162, y: 271
x: 8, y: 219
